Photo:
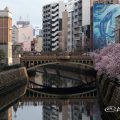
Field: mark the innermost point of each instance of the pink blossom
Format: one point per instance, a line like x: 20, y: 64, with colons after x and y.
x: 107, y: 61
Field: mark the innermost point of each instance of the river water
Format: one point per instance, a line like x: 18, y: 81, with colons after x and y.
x: 65, y: 110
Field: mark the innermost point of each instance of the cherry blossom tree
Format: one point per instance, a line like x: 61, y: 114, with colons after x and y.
x: 107, y: 61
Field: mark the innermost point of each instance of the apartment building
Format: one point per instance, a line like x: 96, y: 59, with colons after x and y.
x: 52, y: 25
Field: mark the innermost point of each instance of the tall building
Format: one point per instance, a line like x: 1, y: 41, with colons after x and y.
x: 64, y: 34
x: 70, y: 9
x: 6, y: 34
x: 77, y: 19
x: 52, y: 25
x: 70, y: 45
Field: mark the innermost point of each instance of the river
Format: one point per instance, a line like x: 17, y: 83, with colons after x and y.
x: 64, y: 110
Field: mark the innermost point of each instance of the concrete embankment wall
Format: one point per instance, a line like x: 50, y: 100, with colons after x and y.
x: 13, y: 84
x: 7, y: 77
x: 109, y: 95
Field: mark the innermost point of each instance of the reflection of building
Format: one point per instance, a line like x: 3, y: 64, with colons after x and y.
x: 7, y: 115
x: 117, y: 29
x: 52, y: 25
x: 66, y: 112
x: 50, y: 112
x: 6, y: 34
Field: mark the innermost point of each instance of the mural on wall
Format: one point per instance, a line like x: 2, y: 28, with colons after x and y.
x: 104, y: 24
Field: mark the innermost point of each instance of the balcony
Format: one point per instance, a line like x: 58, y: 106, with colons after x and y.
x: 75, y: 19
x: 76, y: 31
x: 77, y: 38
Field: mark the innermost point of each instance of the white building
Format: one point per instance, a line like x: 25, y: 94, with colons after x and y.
x: 70, y: 9
x: 77, y: 18
x: 37, y: 31
x: 52, y: 25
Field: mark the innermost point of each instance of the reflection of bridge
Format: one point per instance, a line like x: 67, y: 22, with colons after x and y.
x: 31, y: 60
x: 41, y: 92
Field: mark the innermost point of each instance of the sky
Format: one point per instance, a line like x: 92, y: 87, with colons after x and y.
x: 28, y: 113
x: 27, y: 9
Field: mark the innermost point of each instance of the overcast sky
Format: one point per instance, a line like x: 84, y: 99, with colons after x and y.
x: 28, y: 9
x: 28, y: 113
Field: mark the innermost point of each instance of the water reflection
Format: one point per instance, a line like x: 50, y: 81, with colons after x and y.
x: 57, y: 109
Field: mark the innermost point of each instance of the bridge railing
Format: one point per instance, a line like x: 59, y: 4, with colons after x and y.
x: 27, y: 57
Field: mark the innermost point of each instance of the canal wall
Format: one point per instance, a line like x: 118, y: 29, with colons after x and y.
x: 13, y: 75
x: 13, y: 84
x: 109, y: 95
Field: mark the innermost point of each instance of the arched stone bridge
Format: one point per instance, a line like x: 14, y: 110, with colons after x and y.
x: 31, y: 60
